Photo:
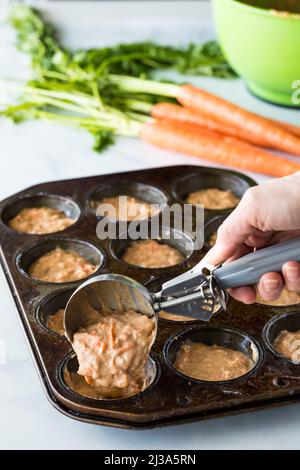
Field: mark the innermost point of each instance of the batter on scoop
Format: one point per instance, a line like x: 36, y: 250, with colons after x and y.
x: 113, y: 352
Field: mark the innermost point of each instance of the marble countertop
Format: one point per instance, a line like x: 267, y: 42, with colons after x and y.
x: 35, y: 152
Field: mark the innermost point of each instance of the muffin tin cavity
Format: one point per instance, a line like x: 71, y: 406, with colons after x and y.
x: 140, y: 191
x: 77, y: 384
x: 211, y: 178
x: 287, y: 299
x: 211, y: 228
x: 155, y: 285
x: 28, y: 255
x: 284, y: 322
x: 61, y: 203
x: 181, y: 241
x: 210, y: 336
x: 49, y: 306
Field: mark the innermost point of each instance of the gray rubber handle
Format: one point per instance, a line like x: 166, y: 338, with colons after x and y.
x: 247, y: 270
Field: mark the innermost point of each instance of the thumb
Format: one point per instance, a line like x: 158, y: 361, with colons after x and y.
x: 220, y: 253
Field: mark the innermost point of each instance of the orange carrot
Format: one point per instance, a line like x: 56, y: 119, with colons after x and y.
x: 288, y: 127
x: 88, y: 379
x: 112, y: 333
x: 270, y: 134
x: 164, y: 110
x: 101, y: 346
x: 193, y: 140
x: 176, y: 112
x: 125, y: 348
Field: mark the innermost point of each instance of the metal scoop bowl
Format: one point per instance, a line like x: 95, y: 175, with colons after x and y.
x: 105, y: 293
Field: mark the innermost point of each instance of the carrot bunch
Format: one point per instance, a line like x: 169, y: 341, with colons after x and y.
x: 196, y: 123
x: 209, y: 127
x: 87, y: 89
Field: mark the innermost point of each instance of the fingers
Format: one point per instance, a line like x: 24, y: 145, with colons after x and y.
x: 270, y: 286
x: 263, y: 210
x: 219, y: 253
x: 264, y: 215
x: 259, y: 239
x: 291, y: 274
x: 242, y: 250
x: 237, y: 228
x: 284, y: 235
x: 246, y: 294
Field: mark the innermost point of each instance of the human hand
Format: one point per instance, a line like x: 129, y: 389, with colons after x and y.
x: 267, y: 214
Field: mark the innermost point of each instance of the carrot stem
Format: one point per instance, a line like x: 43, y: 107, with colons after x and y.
x: 138, y: 85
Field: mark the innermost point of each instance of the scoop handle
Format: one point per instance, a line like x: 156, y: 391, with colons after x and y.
x: 248, y: 269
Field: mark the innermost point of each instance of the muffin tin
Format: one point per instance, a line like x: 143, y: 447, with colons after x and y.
x: 170, y: 398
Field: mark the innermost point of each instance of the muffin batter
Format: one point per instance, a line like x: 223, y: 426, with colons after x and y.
x: 112, y: 353
x: 212, y: 240
x: 40, y: 220
x: 214, y: 198
x: 286, y: 298
x: 61, y: 266
x: 152, y: 254
x: 55, y: 322
x: 288, y: 345
x: 133, y: 209
x: 78, y: 384
x: 211, y: 363
x: 175, y: 317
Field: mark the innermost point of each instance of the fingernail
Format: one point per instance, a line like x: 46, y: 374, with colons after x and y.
x: 271, y: 285
x: 292, y: 273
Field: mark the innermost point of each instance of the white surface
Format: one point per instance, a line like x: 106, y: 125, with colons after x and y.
x: 35, y: 152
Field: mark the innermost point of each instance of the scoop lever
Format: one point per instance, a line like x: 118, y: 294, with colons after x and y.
x: 193, y: 294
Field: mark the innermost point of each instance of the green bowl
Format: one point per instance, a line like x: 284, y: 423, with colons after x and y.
x: 263, y: 47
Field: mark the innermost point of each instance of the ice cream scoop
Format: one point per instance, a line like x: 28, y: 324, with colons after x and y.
x: 193, y: 293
